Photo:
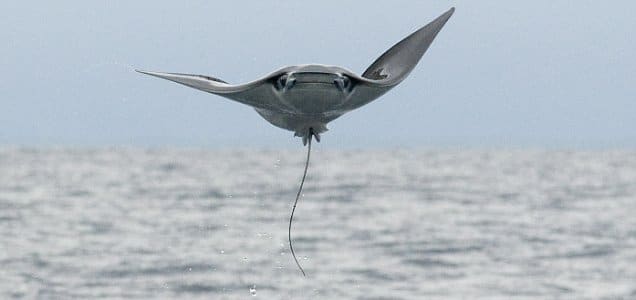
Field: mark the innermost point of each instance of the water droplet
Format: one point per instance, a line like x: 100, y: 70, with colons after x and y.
x: 253, y: 290
x: 244, y: 258
x: 222, y: 251
x: 190, y: 269
x: 305, y: 258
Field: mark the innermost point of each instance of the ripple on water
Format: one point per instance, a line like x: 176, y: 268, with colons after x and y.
x: 161, y: 224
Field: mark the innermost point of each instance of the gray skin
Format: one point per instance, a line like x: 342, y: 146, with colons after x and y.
x: 305, y: 98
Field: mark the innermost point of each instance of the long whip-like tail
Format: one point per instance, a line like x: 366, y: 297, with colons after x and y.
x: 300, y: 190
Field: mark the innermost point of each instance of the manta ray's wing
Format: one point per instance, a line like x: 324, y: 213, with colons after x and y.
x: 395, y: 64
x: 258, y: 93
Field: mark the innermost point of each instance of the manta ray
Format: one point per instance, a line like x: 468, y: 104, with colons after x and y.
x: 304, y: 98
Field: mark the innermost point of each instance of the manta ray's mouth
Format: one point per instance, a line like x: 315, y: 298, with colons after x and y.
x: 312, y: 77
x: 289, y: 81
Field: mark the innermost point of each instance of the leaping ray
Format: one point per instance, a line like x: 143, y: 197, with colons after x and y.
x: 305, y: 98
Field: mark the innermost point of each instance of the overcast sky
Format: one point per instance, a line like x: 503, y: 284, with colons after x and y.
x: 500, y: 74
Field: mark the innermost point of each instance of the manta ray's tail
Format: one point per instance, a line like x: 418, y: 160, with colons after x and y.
x: 307, y: 140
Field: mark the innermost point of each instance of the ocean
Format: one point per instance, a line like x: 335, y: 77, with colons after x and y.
x: 133, y: 223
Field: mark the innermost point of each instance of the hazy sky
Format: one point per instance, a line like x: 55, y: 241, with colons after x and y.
x: 500, y: 74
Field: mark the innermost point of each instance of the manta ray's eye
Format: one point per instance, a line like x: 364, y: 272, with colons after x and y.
x: 285, y: 82
x: 343, y: 83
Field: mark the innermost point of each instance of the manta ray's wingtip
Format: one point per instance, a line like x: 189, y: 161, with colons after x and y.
x: 449, y: 12
x: 146, y: 72
x: 156, y: 74
x: 162, y: 75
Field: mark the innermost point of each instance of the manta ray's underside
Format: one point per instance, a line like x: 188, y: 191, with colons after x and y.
x: 305, y: 98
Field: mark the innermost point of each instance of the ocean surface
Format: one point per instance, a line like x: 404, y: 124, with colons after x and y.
x: 399, y: 224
